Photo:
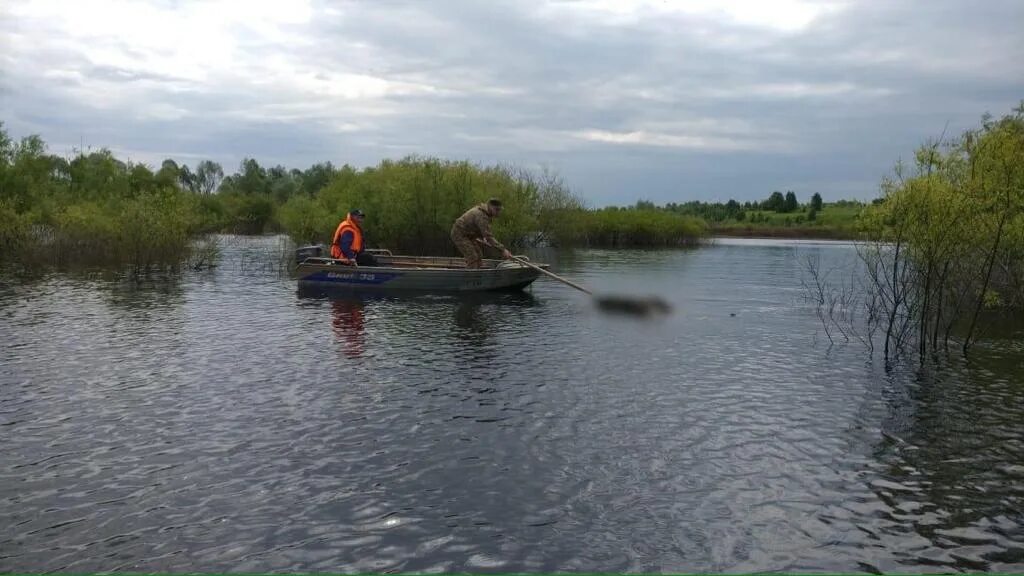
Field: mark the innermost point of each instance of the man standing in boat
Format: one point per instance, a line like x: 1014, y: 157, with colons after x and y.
x: 475, y: 226
x: 347, y: 244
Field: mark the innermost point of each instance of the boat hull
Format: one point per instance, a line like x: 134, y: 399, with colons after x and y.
x: 415, y: 274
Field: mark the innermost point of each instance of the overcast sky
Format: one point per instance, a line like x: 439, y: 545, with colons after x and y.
x: 663, y: 100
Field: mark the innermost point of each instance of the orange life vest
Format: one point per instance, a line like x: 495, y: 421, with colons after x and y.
x: 348, y: 224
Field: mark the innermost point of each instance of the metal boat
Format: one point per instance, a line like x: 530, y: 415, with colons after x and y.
x: 410, y: 273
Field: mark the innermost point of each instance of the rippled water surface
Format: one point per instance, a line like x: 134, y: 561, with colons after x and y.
x: 227, y: 422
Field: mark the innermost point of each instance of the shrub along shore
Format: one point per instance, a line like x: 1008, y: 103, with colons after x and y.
x: 95, y: 209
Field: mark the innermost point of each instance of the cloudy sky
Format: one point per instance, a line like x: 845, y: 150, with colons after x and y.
x: 665, y: 100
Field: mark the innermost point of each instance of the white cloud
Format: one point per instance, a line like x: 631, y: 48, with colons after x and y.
x: 597, y: 85
x: 778, y: 15
x: 798, y: 90
x: 708, y: 143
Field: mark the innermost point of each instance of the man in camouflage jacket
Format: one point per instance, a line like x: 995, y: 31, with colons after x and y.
x: 475, y: 226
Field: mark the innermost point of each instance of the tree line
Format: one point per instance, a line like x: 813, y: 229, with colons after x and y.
x: 732, y: 210
x: 95, y: 208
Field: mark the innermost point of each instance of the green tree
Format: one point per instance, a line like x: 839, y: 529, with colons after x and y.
x: 169, y: 173
x: 6, y: 157
x: 775, y: 203
x: 187, y: 179
x: 816, y: 202
x: 790, y: 204
x: 732, y: 208
x: 140, y: 179
x: 252, y: 178
x: 947, y: 240
x: 316, y: 177
x: 208, y: 176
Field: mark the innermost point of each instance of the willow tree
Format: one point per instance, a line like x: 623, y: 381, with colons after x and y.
x: 947, y: 239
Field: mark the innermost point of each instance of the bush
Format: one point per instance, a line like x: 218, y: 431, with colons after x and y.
x: 14, y: 230
x: 412, y: 203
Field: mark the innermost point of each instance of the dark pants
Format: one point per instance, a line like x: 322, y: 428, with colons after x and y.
x: 364, y: 259
x: 469, y: 248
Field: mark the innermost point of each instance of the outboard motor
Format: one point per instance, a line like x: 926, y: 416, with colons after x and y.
x: 312, y: 251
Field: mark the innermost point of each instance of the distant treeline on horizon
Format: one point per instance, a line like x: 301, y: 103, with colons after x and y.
x: 95, y: 207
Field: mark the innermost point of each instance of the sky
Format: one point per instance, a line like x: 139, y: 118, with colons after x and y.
x: 659, y: 100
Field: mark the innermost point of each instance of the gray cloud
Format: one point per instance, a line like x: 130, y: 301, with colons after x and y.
x: 665, y: 105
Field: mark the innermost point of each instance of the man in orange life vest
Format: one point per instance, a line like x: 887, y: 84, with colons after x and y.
x: 347, y: 244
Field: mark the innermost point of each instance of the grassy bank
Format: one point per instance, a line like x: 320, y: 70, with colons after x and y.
x: 792, y: 232
x: 835, y: 221
x: 778, y: 216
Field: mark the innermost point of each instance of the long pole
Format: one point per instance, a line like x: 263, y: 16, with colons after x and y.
x: 553, y: 275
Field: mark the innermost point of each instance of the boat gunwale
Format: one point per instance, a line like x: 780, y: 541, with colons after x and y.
x: 320, y: 263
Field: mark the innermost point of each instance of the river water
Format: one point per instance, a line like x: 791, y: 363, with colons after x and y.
x: 225, y: 422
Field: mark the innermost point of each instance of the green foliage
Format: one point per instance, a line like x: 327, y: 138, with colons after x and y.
x: 212, y: 214
x: 835, y: 220
x: 790, y: 204
x: 816, y: 203
x: 14, y: 229
x: 208, y: 176
x: 411, y: 205
x: 91, y: 209
x: 95, y: 209
x: 307, y: 221
x: 316, y: 178
x: 640, y: 227
x: 958, y: 212
x: 710, y: 211
x: 150, y: 231
x: 775, y: 203
x: 248, y: 214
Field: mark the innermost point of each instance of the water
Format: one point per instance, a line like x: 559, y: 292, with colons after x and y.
x: 225, y: 422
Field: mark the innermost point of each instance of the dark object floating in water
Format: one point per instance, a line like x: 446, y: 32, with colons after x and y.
x: 628, y: 305
x: 623, y: 304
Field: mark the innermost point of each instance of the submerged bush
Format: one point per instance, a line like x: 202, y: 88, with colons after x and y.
x: 152, y: 230
x: 947, y: 239
x: 619, y: 228
x: 14, y: 230
x: 411, y: 205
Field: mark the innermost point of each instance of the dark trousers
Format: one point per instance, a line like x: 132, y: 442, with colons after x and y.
x: 364, y: 259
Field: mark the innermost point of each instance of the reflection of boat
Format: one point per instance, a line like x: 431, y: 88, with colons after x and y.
x: 410, y: 273
x: 362, y: 299
x: 350, y: 312
x: 348, y: 325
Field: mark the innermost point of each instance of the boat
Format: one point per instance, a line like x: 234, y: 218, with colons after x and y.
x: 410, y: 273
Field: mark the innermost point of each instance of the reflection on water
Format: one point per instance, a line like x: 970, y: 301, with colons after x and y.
x: 468, y: 316
x: 475, y: 315
x: 347, y: 318
x: 227, y: 421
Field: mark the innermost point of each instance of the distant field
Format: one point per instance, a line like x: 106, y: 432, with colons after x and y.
x: 834, y: 221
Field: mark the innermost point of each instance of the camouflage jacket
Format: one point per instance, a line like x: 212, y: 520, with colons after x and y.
x: 476, y: 223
